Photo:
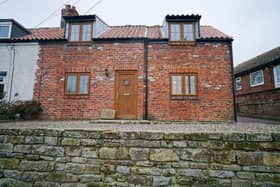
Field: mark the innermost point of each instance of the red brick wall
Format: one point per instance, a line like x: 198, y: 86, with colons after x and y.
x: 268, y: 82
x: 211, y: 62
x: 260, y: 101
x: 56, y: 59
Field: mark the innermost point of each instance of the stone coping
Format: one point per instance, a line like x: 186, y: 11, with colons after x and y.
x: 165, y: 128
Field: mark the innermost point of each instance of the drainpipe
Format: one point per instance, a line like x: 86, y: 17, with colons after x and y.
x: 12, y: 69
x: 146, y: 66
x: 233, y: 83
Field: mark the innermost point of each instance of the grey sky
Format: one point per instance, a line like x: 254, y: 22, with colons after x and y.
x: 254, y: 24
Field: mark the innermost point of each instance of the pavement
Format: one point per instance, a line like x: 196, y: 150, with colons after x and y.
x: 244, y: 126
x: 256, y: 120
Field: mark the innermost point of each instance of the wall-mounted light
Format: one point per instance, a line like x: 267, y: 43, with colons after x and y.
x: 106, y: 72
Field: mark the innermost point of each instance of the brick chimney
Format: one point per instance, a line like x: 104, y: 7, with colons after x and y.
x: 68, y: 10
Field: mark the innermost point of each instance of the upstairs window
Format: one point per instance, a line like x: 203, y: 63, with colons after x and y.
x: 276, y: 70
x: 238, y: 85
x: 182, y: 32
x: 80, y: 32
x: 5, y: 30
x: 183, y: 84
x: 77, y: 84
x: 256, y: 78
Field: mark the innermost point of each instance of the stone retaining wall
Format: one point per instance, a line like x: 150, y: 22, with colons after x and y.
x: 69, y: 158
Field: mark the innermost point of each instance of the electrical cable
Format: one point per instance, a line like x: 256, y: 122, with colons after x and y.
x: 93, y: 6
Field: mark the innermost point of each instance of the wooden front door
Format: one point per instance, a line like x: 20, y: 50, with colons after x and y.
x: 126, y: 94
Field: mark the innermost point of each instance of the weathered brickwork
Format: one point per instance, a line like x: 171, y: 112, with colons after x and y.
x: 211, y: 61
x: 57, y: 59
x: 110, y: 158
x: 262, y: 100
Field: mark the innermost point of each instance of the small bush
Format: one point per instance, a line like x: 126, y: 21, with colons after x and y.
x: 27, y: 110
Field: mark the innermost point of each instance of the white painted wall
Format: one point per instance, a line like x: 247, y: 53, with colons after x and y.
x: 25, y: 66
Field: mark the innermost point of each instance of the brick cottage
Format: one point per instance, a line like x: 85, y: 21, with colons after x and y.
x: 178, y: 71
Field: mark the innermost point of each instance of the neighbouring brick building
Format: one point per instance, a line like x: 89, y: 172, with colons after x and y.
x: 257, y: 85
x: 178, y: 71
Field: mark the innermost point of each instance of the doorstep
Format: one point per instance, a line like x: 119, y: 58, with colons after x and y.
x: 123, y: 122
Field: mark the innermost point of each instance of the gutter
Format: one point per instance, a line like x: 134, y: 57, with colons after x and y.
x: 233, y: 83
x: 146, y: 66
x: 12, y: 70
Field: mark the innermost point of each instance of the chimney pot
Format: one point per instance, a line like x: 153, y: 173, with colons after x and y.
x: 68, y: 11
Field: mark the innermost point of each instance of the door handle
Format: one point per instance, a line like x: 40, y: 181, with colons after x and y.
x: 126, y: 94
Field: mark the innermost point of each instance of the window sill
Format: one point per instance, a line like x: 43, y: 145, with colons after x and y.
x: 76, y: 96
x: 79, y: 43
x: 254, y: 85
x: 179, y: 97
x: 181, y: 42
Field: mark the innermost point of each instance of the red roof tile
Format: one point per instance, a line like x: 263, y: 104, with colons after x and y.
x: 43, y: 34
x: 209, y: 32
x: 127, y: 31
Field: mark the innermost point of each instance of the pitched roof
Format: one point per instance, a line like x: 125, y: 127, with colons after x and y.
x: 126, y: 31
x: 43, y: 34
x: 258, y: 61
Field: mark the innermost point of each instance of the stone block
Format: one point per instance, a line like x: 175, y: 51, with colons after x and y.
x: 70, y: 141
x: 192, y: 173
x: 75, y: 168
x: 75, y: 134
x: 174, y: 136
x: 163, y: 155
x: 6, y: 148
x: 23, y: 148
x: 239, y: 183
x: 13, y: 182
x: 15, y: 139
x: 12, y: 174
x: 259, y: 137
x: 250, y: 158
x: 198, y: 155
x: 161, y: 181
x: 36, y: 166
x: 88, y: 142
x: 234, y: 137
x: 271, y: 159
x: 34, y: 140
x: 108, y: 114
x: 179, y: 143
x: 120, y: 153
x: 221, y: 174
x: 9, y: 163
x: 90, y: 178
x: 46, y: 184
x: 151, y: 135
x: 139, y: 153
x: 72, y: 151
x: 48, y: 150
x: 224, y: 157
x: 61, y: 177
x: 51, y: 140
x: 89, y: 152
x: 123, y: 169
x: 129, y: 135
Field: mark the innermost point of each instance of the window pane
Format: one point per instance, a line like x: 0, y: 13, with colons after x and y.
x: 71, y: 84
x: 256, y: 78
x: 176, y: 85
x: 4, y: 31
x: 175, y: 32
x: 192, y: 85
x: 238, y: 83
x: 83, y: 84
x: 75, y: 31
x: 188, y: 32
x: 86, y: 32
x: 187, y: 86
x: 277, y: 76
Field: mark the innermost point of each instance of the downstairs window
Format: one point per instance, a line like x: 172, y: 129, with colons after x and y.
x: 183, y: 84
x: 77, y: 84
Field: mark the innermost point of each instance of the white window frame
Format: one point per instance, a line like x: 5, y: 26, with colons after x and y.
x: 10, y: 29
x: 276, y: 84
x: 236, y: 87
x: 261, y: 83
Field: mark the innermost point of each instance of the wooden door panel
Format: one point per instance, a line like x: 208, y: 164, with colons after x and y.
x: 126, y: 94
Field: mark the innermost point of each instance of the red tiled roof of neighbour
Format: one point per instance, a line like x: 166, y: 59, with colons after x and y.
x: 209, y: 32
x: 43, y: 34
x: 127, y: 31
